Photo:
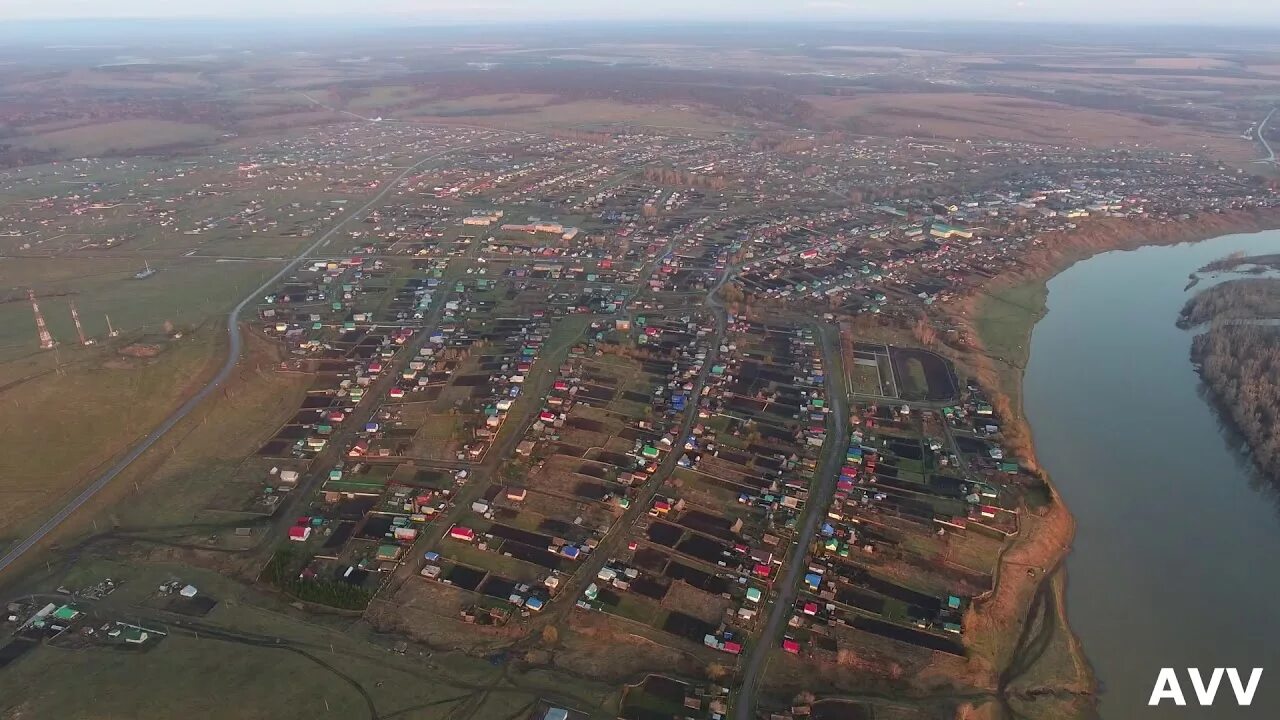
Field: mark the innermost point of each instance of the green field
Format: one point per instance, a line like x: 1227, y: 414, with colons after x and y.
x: 1004, y: 322
x: 102, y: 408
x: 184, y: 292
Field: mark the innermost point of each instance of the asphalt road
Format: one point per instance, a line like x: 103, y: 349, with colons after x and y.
x: 1271, y: 152
x: 815, y: 510
x: 234, y: 348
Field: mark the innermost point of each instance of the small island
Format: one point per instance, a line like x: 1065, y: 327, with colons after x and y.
x: 1238, y: 356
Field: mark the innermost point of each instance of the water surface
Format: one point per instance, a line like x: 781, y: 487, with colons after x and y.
x: 1176, y: 561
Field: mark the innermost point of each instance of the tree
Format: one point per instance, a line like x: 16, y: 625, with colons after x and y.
x: 550, y: 635
x: 924, y: 331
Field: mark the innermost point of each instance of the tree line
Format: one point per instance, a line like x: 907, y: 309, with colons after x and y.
x: 1244, y: 299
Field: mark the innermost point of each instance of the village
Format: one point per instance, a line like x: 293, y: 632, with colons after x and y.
x: 658, y: 386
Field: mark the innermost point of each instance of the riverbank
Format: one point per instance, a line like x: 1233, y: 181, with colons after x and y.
x: 1022, y: 628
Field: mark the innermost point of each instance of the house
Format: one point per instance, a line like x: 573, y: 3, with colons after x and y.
x: 300, y: 533
x: 791, y: 646
x: 464, y: 534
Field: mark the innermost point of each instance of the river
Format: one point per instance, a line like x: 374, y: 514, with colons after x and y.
x: 1177, y: 548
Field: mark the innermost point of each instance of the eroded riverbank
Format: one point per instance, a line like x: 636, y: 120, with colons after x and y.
x: 1059, y: 674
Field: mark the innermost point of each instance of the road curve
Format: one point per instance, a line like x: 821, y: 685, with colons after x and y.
x: 1262, y: 127
x: 815, y: 511
x: 233, y: 358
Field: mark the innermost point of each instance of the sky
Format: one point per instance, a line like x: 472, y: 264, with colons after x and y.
x: 460, y: 11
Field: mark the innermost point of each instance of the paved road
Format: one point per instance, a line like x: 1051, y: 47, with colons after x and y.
x: 1271, y: 152
x: 815, y: 510
x: 233, y: 358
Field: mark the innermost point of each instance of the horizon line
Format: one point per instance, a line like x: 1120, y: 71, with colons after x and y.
x: 397, y: 20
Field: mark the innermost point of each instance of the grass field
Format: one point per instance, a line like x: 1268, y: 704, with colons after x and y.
x: 1004, y: 322
x: 181, y: 677
x: 866, y: 379
x: 482, y: 105
x: 274, y: 664
x: 119, y: 136
x: 69, y: 424
x: 182, y: 292
x: 203, y: 453
x: 380, y: 96
x: 914, y: 382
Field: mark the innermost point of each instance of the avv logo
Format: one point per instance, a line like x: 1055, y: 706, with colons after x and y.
x: 1206, y: 691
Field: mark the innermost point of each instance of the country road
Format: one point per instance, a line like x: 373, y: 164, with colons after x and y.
x: 815, y: 510
x: 233, y: 358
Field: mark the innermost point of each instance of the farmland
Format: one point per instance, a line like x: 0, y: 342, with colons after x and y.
x: 120, y: 137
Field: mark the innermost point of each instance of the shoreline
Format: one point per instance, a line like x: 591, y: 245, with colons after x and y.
x: 1049, y: 534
